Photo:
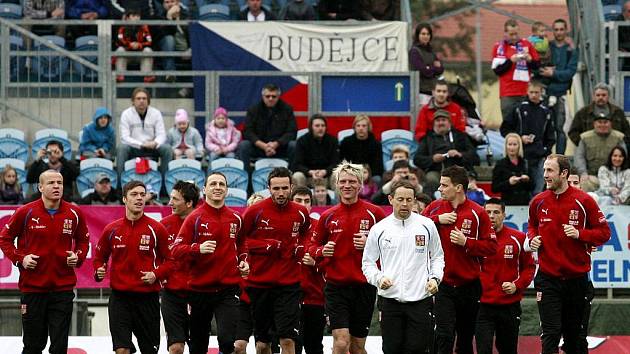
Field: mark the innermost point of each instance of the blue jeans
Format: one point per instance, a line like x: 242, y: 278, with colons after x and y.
x: 167, y: 44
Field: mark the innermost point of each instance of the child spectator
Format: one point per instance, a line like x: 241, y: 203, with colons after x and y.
x: 400, y: 152
x: 254, y: 198
x: 320, y: 192
x: 222, y: 137
x: 369, y: 187
x: 98, y: 137
x: 475, y: 193
x: 135, y: 38
x: 185, y: 140
x: 539, y: 40
x: 10, y: 189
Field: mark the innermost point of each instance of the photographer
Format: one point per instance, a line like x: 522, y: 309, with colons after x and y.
x: 51, y: 158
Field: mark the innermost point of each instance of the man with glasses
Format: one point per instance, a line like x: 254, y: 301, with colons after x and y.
x: 270, y: 128
x: 558, y: 77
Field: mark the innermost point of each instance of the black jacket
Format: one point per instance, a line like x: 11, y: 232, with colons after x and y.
x: 433, y: 144
x: 69, y: 171
x: 529, y: 118
x: 313, y: 154
x: 113, y: 198
x: 269, y: 16
x: 275, y: 124
x: 518, y: 194
x: 367, y: 151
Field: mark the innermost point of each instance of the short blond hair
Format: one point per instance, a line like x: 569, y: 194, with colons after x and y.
x: 353, y: 169
x: 360, y: 118
x: 401, y: 148
x: 254, y: 198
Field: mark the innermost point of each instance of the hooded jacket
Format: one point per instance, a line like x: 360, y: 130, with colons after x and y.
x: 192, y: 138
x: 227, y: 137
x: 95, y: 137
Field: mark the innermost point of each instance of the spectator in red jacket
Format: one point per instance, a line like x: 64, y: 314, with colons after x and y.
x: 52, y: 240
x: 504, y: 278
x: 338, y: 242
x: 138, y: 246
x: 174, y: 304
x: 467, y: 236
x: 275, y: 228
x: 135, y: 38
x: 439, y: 101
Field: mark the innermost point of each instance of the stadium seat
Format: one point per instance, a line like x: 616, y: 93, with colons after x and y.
x: 214, y: 12
x: 301, y: 132
x: 17, y: 64
x: 344, y: 134
x: 236, y: 197
x: 262, y: 168
x: 43, y: 136
x: 10, y: 11
x: 13, y: 144
x: 393, y: 137
x: 184, y: 170
x: 50, y: 67
x: 265, y: 193
x: 86, y: 192
x: 90, y: 168
x: 611, y: 12
x: 20, y: 168
x: 86, y: 43
x: 153, y: 177
x: 233, y: 170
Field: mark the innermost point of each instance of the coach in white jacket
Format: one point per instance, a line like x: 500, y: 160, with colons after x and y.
x: 142, y: 132
x: 412, y: 265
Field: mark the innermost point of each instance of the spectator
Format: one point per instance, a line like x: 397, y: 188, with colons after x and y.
x: 44, y: 10
x: 513, y: 60
x: 624, y: 35
x: 599, y: 107
x: 254, y: 198
x: 172, y: 38
x: 135, y: 38
x: 185, y: 140
x: 422, y: 200
x: 382, y: 10
x: 86, y: 10
x: 362, y: 147
x: 10, y: 189
x: 51, y: 158
x: 297, y: 10
x: 117, y: 8
x: 473, y: 192
x: 98, y: 137
x: 142, y: 132
x: 539, y: 40
x: 270, y: 128
x: 341, y: 10
x: 222, y: 137
x: 401, y: 171
x: 593, y: 150
x: 255, y: 12
x: 509, y: 176
x: 320, y: 192
x: 532, y: 121
x: 423, y: 59
x: 439, y: 101
x: 152, y: 197
x: 316, y: 153
x: 103, y: 193
x: 369, y: 187
x: 614, y: 178
x: 559, y: 74
x: 441, y: 148
x: 400, y: 152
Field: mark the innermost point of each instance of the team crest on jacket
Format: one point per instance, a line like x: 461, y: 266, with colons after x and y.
x: 420, y: 241
x: 573, y: 217
x: 232, y: 230
x: 67, y: 226
x: 145, y: 240
x: 295, y: 229
x: 364, y: 225
x: 508, y: 251
x: 466, y: 226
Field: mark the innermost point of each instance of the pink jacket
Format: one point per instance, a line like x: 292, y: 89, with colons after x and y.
x: 215, y: 138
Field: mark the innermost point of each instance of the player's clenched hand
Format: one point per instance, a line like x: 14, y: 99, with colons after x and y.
x: 72, y: 259
x: 359, y: 240
x: 508, y: 287
x: 447, y: 218
x: 385, y: 283
x: 208, y: 247
x: 329, y: 249
x: 148, y: 277
x: 243, y: 268
x: 30, y: 261
x: 571, y: 231
x: 458, y: 237
x: 535, y: 243
x: 432, y: 286
x: 308, y: 260
x: 101, y: 272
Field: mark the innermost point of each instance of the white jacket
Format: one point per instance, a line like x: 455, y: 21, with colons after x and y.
x: 410, y: 252
x: 134, y: 133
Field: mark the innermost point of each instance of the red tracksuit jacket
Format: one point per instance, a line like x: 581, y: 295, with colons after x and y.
x: 462, y: 263
x: 218, y: 270
x: 177, y: 280
x: 560, y: 255
x: 135, y: 247
x: 49, y: 237
x: 510, y: 264
x: 312, y: 281
x: 274, y: 239
x: 339, y: 224
x: 424, y: 122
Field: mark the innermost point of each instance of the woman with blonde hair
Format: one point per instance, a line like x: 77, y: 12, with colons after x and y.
x: 362, y: 147
x: 10, y: 189
x: 509, y: 176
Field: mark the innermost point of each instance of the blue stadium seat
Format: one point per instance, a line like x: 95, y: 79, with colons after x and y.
x: 233, y: 170
x: 49, y: 67
x: 496, y: 146
x: 393, y: 137
x: 90, y: 168
x: 236, y: 197
x: 10, y: 11
x: 86, y: 43
x: 153, y: 177
x: 214, y: 12
x: 611, y: 12
x: 184, y: 170
x: 45, y: 135
x: 86, y: 192
x: 342, y: 134
x: 13, y: 144
x: 301, y: 133
x: 262, y: 168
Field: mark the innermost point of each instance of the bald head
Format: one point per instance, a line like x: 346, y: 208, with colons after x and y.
x: 51, y: 186
x: 48, y: 174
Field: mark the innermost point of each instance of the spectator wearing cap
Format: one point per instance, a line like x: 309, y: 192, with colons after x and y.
x: 103, y: 193
x: 600, y: 106
x: 593, y: 150
x: 98, y: 137
x: 316, y: 153
x: 222, y: 137
x: 443, y: 147
x: 185, y: 140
